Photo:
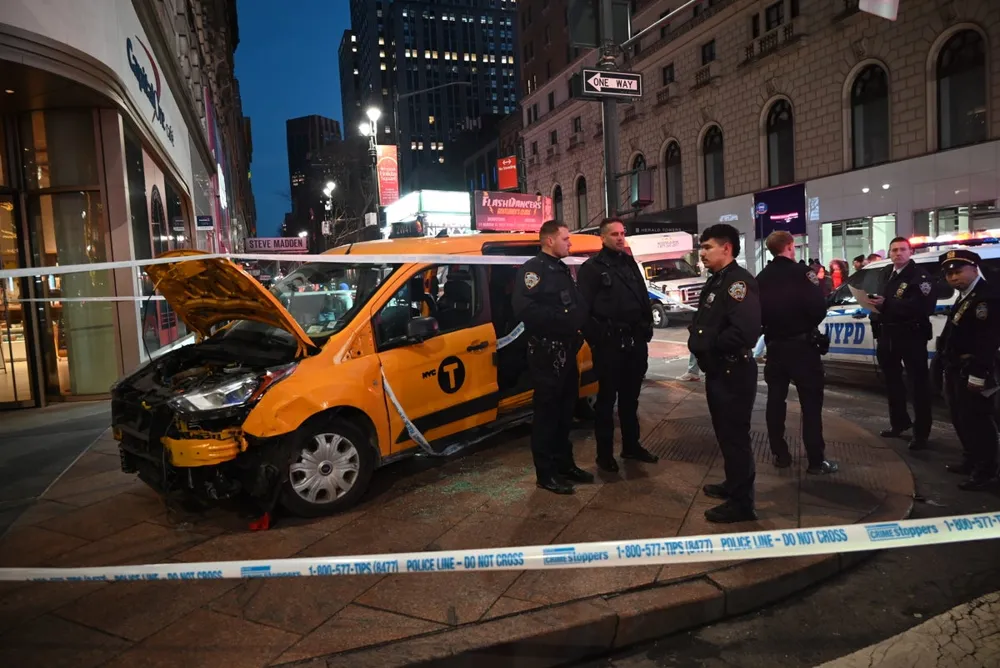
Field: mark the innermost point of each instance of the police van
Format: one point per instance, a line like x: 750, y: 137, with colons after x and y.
x: 852, y: 344
x: 674, y: 285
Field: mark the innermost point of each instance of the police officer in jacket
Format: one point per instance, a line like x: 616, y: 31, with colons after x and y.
x: 618, y: 331
x: 722, y: 337
x: 902, y: 328
x: 547, y: 301
x: 967, y: 351
x: 792, y: 306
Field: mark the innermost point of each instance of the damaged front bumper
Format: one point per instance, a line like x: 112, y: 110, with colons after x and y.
x: 210, y: 461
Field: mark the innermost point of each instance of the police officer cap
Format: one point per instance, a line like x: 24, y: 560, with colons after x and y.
x: 957, y: 258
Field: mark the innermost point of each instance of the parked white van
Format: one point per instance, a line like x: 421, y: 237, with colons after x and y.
x: 674, y: 285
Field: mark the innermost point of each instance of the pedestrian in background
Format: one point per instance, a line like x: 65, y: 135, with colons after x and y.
x: 792, y: 307
x: 618, y: 330
x: 902, y: 328
x: 967, y: 349
x: 859, y: 262
x: 547, y: 301
x: 722, y: 337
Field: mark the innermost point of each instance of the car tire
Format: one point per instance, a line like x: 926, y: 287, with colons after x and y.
x: 327, y: 457
x: 659, y: 317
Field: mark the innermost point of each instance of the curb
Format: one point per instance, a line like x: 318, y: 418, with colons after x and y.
x: 562, y: 633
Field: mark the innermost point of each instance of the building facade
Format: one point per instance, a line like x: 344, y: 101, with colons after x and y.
x: 312, y: 141
x: 121, y: 136
x: 350, y: 81
x: 889, y: 127
x: 433, y: 69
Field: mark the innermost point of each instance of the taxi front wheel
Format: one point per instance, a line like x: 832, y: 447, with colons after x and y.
x: 331, y: 466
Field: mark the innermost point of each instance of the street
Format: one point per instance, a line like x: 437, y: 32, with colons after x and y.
x: 891, y: 592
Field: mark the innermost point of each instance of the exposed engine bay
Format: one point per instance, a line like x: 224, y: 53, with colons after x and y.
x: 186, y: 397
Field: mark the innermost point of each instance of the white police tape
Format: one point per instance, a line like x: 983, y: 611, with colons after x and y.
x: 411, y: 428
x: 508, y: 339
x: 444, y: 259
x: 639, y: 552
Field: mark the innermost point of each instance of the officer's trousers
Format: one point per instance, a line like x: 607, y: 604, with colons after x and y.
x: 619, y: 375
x: 910, y: 351
x: 731, y: 393
x: 974, y: 421
x: 795, y: 361
x: 555, y: 393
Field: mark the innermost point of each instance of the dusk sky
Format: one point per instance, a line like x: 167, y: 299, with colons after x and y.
x: 287, y: 66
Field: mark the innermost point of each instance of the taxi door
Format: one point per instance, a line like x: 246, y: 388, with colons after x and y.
x: 446, y: 383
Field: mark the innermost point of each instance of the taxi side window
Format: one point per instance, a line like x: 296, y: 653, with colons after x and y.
x: 450, y: 294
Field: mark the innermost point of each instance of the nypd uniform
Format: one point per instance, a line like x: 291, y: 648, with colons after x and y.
x: 722, y: 336
x: 792, y: 307
x: 902, y: 329
x: 547, y: 301
x: 618, y: 329
x: 967, y: 349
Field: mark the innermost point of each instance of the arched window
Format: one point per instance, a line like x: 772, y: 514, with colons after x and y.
x: 581, y: 203
x: 870, y: 117
x: 715, y: 171
x: 675, y: 184
x: 557, y: 203
x: 638, y: 167
x: 961, y: 90
x: 780, y: 144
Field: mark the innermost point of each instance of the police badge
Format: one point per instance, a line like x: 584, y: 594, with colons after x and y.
x: 531, y: 279
x: 981, y: 311
x: 901, y: 290
x: 711, y: 298
x: 925, y: 288
x: 738, y: 291
x: 813, y: 277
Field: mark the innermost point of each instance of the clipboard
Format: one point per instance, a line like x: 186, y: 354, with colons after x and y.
x: 862, y: 299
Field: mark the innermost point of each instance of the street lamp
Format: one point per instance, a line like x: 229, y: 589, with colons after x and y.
x: 330, y: 187
x: 370, y: 130
x: 303, y: 234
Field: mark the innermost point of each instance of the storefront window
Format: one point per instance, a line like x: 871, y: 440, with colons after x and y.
x: 59, y: 149
x: 3, y: 158
x: 847, y: 239
x: 15, y: 385
x: 78, y: 336
x: 955, y: 219
x: 159, y: 224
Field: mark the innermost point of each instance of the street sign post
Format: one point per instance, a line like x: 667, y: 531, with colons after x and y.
x: 602, y: 83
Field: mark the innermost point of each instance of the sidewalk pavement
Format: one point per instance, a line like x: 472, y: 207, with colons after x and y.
x: 38, y: 445
x: 967, y: 636
x: 484, y: 498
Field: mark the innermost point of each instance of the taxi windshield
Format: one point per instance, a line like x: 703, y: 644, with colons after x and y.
x: 322, y: 297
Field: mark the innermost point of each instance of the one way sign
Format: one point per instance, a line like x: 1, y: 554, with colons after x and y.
x: 600, y: 83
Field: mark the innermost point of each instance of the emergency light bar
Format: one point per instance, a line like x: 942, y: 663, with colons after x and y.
x: 958, y: 239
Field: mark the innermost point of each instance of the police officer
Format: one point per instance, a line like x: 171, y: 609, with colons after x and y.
x: 619, y: 327
x: 967, y: 351
x: 792, y: 306
x: 902, y: 328
x: 547, y: 301
x: 722, y: 337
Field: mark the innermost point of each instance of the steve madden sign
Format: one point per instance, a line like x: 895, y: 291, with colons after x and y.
x: 278, y: 244
x: 152, y: 88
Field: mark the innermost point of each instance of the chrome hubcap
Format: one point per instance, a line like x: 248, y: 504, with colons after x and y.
x: 326, y: 469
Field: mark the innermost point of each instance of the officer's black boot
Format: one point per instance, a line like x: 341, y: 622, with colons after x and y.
x: 555, y: 483
x: 730, y: 511
x: 639, y: 453
x: 892, y: 432
x: 823, y: 468
x: 981, y: 479
x: 965, y: 468
x: 918, y: 443
x: 576, y: 474
x: 607, y: 464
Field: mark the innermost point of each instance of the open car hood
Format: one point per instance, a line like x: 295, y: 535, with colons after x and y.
x: 207, y: 292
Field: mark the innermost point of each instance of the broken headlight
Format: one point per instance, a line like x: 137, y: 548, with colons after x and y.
x: 232, y: 393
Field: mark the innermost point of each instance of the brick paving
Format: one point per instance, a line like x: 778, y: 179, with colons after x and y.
x: 96, y: 515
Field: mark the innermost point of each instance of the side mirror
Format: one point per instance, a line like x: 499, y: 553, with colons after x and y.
x: 421, y: 329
